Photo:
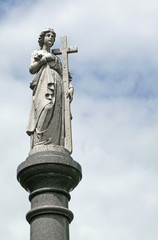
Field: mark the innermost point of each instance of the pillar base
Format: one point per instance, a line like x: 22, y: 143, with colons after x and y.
x: 49, y: 174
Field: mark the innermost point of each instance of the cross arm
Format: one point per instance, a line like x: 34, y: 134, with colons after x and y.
x: 58, y: 51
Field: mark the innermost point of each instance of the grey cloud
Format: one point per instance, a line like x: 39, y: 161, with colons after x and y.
x: 114, y: 113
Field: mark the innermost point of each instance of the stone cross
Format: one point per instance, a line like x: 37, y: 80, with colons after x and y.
x: 64, y: 50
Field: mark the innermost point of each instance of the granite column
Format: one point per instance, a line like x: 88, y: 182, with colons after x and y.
x: 49, y: 174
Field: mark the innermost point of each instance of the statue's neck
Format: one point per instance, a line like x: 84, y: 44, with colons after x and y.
x: 46, y: 48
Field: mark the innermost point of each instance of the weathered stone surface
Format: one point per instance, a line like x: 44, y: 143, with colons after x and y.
x: 64, y: 50
x: 50, y: 116
x: 49, y: 174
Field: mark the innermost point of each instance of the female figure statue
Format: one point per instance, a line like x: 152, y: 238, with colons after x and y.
x: 46, y: 123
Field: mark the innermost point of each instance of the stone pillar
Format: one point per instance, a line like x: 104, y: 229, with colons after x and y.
x: 49, y: 174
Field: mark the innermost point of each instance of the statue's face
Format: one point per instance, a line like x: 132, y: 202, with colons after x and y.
x: 49, y: 39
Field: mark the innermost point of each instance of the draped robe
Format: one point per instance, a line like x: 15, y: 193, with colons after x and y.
x: 46, y: 123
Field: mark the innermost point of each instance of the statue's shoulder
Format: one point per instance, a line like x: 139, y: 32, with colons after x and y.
x: 37, y: 54
x: 58, y: 60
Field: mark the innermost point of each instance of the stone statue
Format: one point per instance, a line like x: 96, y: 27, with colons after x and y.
x: 50, y: 117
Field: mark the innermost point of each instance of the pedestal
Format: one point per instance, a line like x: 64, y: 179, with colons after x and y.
x: 49, y: 174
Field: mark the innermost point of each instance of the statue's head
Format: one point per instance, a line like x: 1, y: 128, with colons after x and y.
x: 42, y: 35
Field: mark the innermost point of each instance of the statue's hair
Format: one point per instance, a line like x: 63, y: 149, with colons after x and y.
x: 42, y: 35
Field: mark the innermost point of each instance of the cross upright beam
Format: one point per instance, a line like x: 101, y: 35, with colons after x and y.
x: 64, y: 51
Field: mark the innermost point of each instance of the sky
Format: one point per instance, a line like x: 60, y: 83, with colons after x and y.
x: 115, y: 112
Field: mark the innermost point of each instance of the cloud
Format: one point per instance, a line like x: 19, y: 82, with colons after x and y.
x: 114, y: 112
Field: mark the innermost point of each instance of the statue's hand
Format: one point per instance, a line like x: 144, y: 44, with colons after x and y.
x: 38, y: 56
x: 43, y: 60
x: 70, y: 94
x: 49, y: 57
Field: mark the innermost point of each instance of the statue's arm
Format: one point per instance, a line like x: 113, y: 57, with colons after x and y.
x: 70, y: 92
x: 37, y: 61
x: 71, y: 89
